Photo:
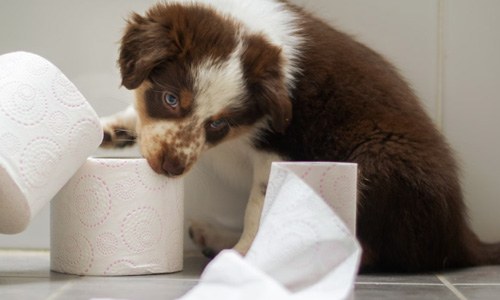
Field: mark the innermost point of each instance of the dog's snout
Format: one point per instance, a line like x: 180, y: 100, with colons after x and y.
x: 172, y: 167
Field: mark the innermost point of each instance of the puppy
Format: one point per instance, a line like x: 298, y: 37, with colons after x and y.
x: 264, y: 81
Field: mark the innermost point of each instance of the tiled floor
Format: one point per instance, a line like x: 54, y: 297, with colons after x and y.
x: 26, y: 275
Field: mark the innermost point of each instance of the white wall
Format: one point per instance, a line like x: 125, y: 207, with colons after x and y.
x: 471, y: 104
x: 448, y: 49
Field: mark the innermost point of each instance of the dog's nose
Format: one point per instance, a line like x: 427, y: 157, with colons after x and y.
x: 172, y: 168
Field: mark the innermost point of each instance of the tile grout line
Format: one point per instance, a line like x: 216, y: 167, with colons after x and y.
x: 440, y: 64
x: 398, y: 283
x: 60, y: 290
x: 452, y: 288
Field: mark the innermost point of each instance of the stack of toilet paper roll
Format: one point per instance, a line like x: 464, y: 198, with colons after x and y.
x: 111, y: 216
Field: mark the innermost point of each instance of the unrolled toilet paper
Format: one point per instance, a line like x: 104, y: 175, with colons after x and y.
x: 303, y: 249
x: 47, y: 130
x: 335, y: 183
x: 117, y: 217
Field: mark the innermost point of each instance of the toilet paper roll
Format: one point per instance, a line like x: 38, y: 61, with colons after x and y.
x: 117, y: 217
x: 334, y: 182
x: 302, y: 250
x: 47, y: 131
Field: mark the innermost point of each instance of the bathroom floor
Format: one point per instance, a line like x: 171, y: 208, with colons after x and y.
x: 26, y: 275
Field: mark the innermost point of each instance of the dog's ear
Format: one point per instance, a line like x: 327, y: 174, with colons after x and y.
x: 276, y: 102
x: 146, y: 43
x: 262, y: 63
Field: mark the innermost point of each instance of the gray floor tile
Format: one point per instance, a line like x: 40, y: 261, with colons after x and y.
x: 24, y: 263
x: 395, y: 278
x: 487, y: 274
x: 194, y: 264
x: 26, y: 275
x: 406, y: 292
x: 32, y: 288
x: 479, y: 292
x: 151, y: 287
x: 130, y: 288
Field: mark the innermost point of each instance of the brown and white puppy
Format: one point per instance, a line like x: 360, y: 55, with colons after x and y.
x: 264, y: 81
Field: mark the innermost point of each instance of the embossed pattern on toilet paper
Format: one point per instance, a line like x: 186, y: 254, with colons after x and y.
x: 120, y: 217
x: 142, y: 229
x: 293, y: 232
x: 28, y: 104
x: 332, y: 182
x: 48, y: 130
x: 65, y: 92
x: 91, y: 200
x: 37, y: 161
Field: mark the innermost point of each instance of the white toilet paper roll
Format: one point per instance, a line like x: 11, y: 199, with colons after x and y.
x: 302, y: 250
x: 47, y: 130
x: 117, y: 217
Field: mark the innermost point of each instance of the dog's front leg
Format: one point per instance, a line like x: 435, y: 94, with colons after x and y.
x: 262, y: 167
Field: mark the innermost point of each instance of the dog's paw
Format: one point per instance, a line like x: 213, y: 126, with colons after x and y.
x: 211, y: 240
x: 116, y: 134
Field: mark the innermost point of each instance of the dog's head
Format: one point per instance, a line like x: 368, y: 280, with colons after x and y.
x: 200, y: 78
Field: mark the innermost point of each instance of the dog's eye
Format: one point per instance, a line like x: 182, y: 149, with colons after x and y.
x: 218, y: 124
x: 216, y: 130
x: 170, y: 99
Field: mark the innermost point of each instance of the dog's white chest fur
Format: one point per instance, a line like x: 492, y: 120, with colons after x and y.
x: 218, y: 186
x: 231, y: 162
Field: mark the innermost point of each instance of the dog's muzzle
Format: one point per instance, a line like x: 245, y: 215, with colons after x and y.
x: 172, y: 167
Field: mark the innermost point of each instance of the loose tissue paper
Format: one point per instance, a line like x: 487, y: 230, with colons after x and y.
x: 47, y: 131
x: 303, y: 250
x: 117, y: 217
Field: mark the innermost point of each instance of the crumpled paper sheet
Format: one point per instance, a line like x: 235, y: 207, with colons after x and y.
x: 303, y: 250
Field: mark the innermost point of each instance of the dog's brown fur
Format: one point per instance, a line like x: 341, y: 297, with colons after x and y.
x: 411, y: 215
x: 347, y: 104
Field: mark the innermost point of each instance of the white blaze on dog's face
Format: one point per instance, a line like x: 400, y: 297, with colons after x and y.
x: 176, y: 125
x: 200, y: 79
